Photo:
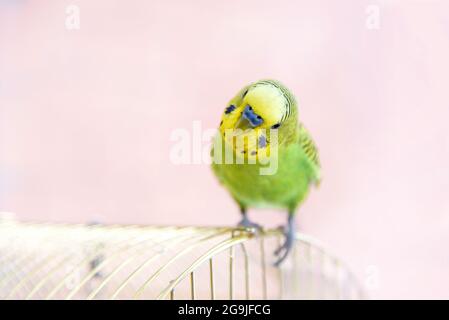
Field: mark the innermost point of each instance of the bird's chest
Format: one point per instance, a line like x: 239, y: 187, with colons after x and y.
x: 277, y: 184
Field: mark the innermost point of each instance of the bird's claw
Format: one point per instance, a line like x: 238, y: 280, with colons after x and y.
x: 279, y: 249
x: 284, y: 249
x: 246, y: 223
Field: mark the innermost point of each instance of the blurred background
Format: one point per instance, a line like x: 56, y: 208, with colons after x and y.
x: 92, y: 91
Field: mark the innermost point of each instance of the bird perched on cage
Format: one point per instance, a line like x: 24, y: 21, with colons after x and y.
x: 264, y: 156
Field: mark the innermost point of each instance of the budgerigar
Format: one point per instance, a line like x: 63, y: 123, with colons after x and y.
x: 264, y: 115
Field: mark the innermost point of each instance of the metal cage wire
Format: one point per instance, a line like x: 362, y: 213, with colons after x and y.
x: 62, y: 261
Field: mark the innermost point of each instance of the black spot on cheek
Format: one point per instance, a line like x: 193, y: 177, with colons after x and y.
x: 253, y: 153
x: 262, y: 142
x: 277, y: 125
x: 230, y: 109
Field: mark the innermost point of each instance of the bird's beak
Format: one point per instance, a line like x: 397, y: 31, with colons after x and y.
x: 248, y: 120
x: 243, y: 123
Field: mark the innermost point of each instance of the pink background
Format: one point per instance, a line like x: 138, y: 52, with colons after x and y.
x: 86, y: 119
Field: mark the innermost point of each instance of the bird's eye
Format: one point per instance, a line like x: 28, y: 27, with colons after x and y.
x: 230, y: 109
x: 275, y: 126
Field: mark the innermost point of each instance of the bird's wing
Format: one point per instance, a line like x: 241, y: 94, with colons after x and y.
x: 311, y: 151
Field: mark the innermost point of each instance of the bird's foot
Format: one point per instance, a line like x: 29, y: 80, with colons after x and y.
x: 283, y: 251
x: 246, y: 223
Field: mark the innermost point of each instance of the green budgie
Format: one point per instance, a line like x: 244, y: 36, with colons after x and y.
x: 260, y: 130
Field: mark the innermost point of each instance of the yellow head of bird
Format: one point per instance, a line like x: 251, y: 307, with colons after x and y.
x: 251, y: 116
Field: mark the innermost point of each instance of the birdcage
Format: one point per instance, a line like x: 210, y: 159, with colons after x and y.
x: 63, y: 261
